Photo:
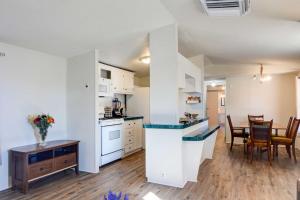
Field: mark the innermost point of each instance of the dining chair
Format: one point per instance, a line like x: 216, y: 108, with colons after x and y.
x: 287, y: 131
x: 237, y: 132
x: 255, y: 118
x: 289, y: 140
x: 260, y: 136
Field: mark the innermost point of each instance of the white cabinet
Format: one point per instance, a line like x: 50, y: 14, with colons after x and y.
x: 128, y: 79
x: 133, y: 130
x: 117, y: 80
x: 122, y: 81
x: 138, y: 127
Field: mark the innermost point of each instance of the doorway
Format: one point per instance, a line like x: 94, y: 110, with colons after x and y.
x: 215, y: 103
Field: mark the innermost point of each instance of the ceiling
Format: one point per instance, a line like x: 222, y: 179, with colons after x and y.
x: 270, y: 34
x: 70, y: 27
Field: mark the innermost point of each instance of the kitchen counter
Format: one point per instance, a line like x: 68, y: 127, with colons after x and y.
x: 175, y: 126
x: 200, y: 135
x: 181, y: 147
x: 132, y: 118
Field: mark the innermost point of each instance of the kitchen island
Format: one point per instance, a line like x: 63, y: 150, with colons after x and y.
x: 175, y: 152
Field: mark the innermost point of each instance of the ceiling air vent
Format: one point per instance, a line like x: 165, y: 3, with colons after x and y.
x: 226, y: 7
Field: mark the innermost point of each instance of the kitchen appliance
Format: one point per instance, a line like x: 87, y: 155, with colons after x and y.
x: 107, y: 112
x: 105, y: 84
x: 117, y: 110
x: 111, y: 140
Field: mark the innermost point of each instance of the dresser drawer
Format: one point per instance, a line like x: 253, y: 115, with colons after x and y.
x: 64, y: 161
x: 40, y: 168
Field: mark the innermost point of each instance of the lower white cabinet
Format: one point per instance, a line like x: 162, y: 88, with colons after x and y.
x: 133, y: 130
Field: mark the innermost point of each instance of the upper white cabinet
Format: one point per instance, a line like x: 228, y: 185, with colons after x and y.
x: 128, y: 79
x: 122, y: 81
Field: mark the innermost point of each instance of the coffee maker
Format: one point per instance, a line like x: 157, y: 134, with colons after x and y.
x: 117, y: 111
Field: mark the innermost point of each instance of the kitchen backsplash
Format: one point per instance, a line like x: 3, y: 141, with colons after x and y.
x: 107, y: 101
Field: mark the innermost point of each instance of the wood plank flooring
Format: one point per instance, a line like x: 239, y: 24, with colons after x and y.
x: 228, y: 176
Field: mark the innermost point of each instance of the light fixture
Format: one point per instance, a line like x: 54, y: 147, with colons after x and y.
x: 262, y: 76
x: 145, y: 59
x: 213, y: 84
x: 266, y: 78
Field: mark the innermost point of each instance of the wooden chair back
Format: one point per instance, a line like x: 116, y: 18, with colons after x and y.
x: 294, y: 129
x: 230, y: 123
x: 255, y: 118
x: 261, y: 131
x: 288, y: 128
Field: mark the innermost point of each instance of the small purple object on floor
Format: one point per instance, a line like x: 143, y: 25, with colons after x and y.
x: 114, y: 196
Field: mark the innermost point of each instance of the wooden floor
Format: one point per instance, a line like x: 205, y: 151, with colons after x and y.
x: 228, y: 176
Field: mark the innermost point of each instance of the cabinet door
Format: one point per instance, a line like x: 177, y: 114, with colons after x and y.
x: 138, y: 131
x: 117, y: 81
x: 128, y: 82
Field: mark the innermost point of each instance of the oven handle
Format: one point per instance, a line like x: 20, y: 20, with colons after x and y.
x: 111, y: 125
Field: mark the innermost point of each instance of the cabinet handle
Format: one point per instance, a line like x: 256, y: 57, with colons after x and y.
x: 41, y: 169
x: 65, y: 161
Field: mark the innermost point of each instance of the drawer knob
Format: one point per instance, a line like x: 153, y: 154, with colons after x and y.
x: 41, y: 169
x: 65, y: 161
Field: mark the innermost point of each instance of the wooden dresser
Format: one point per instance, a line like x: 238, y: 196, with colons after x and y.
x: 32, y: 162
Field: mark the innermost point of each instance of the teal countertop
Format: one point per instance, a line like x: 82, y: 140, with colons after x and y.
x: 200, y: 135
x: 175, y: 126
x: 132, y: 118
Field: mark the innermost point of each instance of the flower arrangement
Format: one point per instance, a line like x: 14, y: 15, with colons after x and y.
x: 115, y: 196
x: 42, y: 122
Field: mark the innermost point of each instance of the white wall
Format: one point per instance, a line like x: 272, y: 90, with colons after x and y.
x: 30, y: 83
x: 138, y: 103
x: 164, y: 75
x: 142, y: 81
x: 275, y: 99
x: 81, y: 109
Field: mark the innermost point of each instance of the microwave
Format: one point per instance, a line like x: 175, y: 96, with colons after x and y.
x: 105, y: 84
x: 104, y: 88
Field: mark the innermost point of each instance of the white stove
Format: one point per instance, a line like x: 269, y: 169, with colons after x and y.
x: 111, y: 139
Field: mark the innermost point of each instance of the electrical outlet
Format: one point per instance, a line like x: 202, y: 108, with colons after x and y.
x: 2, y: 54
x: 163, y: 175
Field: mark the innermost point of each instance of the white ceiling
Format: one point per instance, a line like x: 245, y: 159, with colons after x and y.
x: 70, y: 27
x: 270, y: 34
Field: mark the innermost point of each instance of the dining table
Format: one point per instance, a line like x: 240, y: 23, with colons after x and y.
x: 275, y: 126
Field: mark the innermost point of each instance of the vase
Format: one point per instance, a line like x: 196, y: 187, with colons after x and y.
x: 41, y: 136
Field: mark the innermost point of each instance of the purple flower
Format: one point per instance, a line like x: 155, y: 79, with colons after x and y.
x: 115, y: 196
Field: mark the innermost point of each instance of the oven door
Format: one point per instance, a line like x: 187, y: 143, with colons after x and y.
x: 111, y: 139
